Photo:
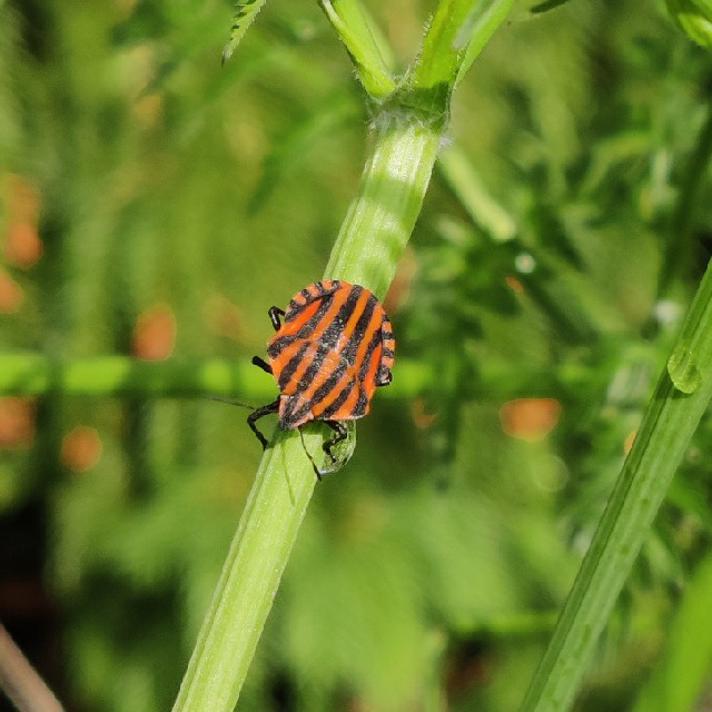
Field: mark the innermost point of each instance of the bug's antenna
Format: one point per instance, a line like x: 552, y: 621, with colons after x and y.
x: 311, y: 459
x: 230, y: 401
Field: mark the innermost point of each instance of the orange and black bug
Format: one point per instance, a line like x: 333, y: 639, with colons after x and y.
x: 334, y: 348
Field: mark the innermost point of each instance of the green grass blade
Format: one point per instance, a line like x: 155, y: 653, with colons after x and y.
x: 354, y: 29
x: 681, y: 397
x: 686, y: 666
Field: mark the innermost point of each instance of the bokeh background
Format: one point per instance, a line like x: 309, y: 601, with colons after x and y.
x: 153, y: 204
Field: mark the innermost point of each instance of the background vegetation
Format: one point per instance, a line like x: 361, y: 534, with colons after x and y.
x: 154, y: 204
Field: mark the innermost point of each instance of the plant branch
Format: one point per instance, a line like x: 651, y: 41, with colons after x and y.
x: 458, y: 32
x: 366, y: 252
x: 351, y: 23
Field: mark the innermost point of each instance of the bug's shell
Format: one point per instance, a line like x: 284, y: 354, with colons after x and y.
x: 334, y: 348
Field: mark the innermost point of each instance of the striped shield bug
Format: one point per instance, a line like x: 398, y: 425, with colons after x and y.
x: 334, y: 347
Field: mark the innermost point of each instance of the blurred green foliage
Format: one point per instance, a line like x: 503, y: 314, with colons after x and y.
x: 154, y: 204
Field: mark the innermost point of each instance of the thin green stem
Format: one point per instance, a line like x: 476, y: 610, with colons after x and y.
x: 352, y: 24
x: 459, y: 31
x: 30, y: 374
x: 679, y: 401
x: 34, y: 374
x: 472, y: 193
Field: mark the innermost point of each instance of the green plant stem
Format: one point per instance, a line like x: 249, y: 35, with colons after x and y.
x: 473, y: 195
x: 372, y: 239
x: 31, y: 374
x: 378, y: 224
x: 668, y: 424
x: 34, y: 374
x: 351, y: 22
x: 374, y: 235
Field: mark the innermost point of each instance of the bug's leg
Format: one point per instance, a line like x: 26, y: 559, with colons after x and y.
x: 341, y: 434
x: 256, y: 414
x: 274, y: 314
x: 257, y: 361
x: 384, y: 376
x: 308, y: 454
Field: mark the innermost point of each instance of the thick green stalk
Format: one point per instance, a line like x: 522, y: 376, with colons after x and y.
x: 681, y: 397
x: 378, y: 224
x: 374, y: 235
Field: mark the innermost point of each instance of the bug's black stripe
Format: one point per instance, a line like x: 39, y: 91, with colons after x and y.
x: 362, y: 403
x: 339, y: 401
x: 331, y: 333
x: 372, y: 344
x: 295, y: 307
x: 327, y: 386
x: 350, y: 349
x: 389, y: 353
x: 326, y: 344
x: 292, y: 365
x: 348, y: 356
x: 276, y: 347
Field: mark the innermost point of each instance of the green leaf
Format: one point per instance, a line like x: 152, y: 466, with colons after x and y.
x: 694, y: 18
x: 243, y: 16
